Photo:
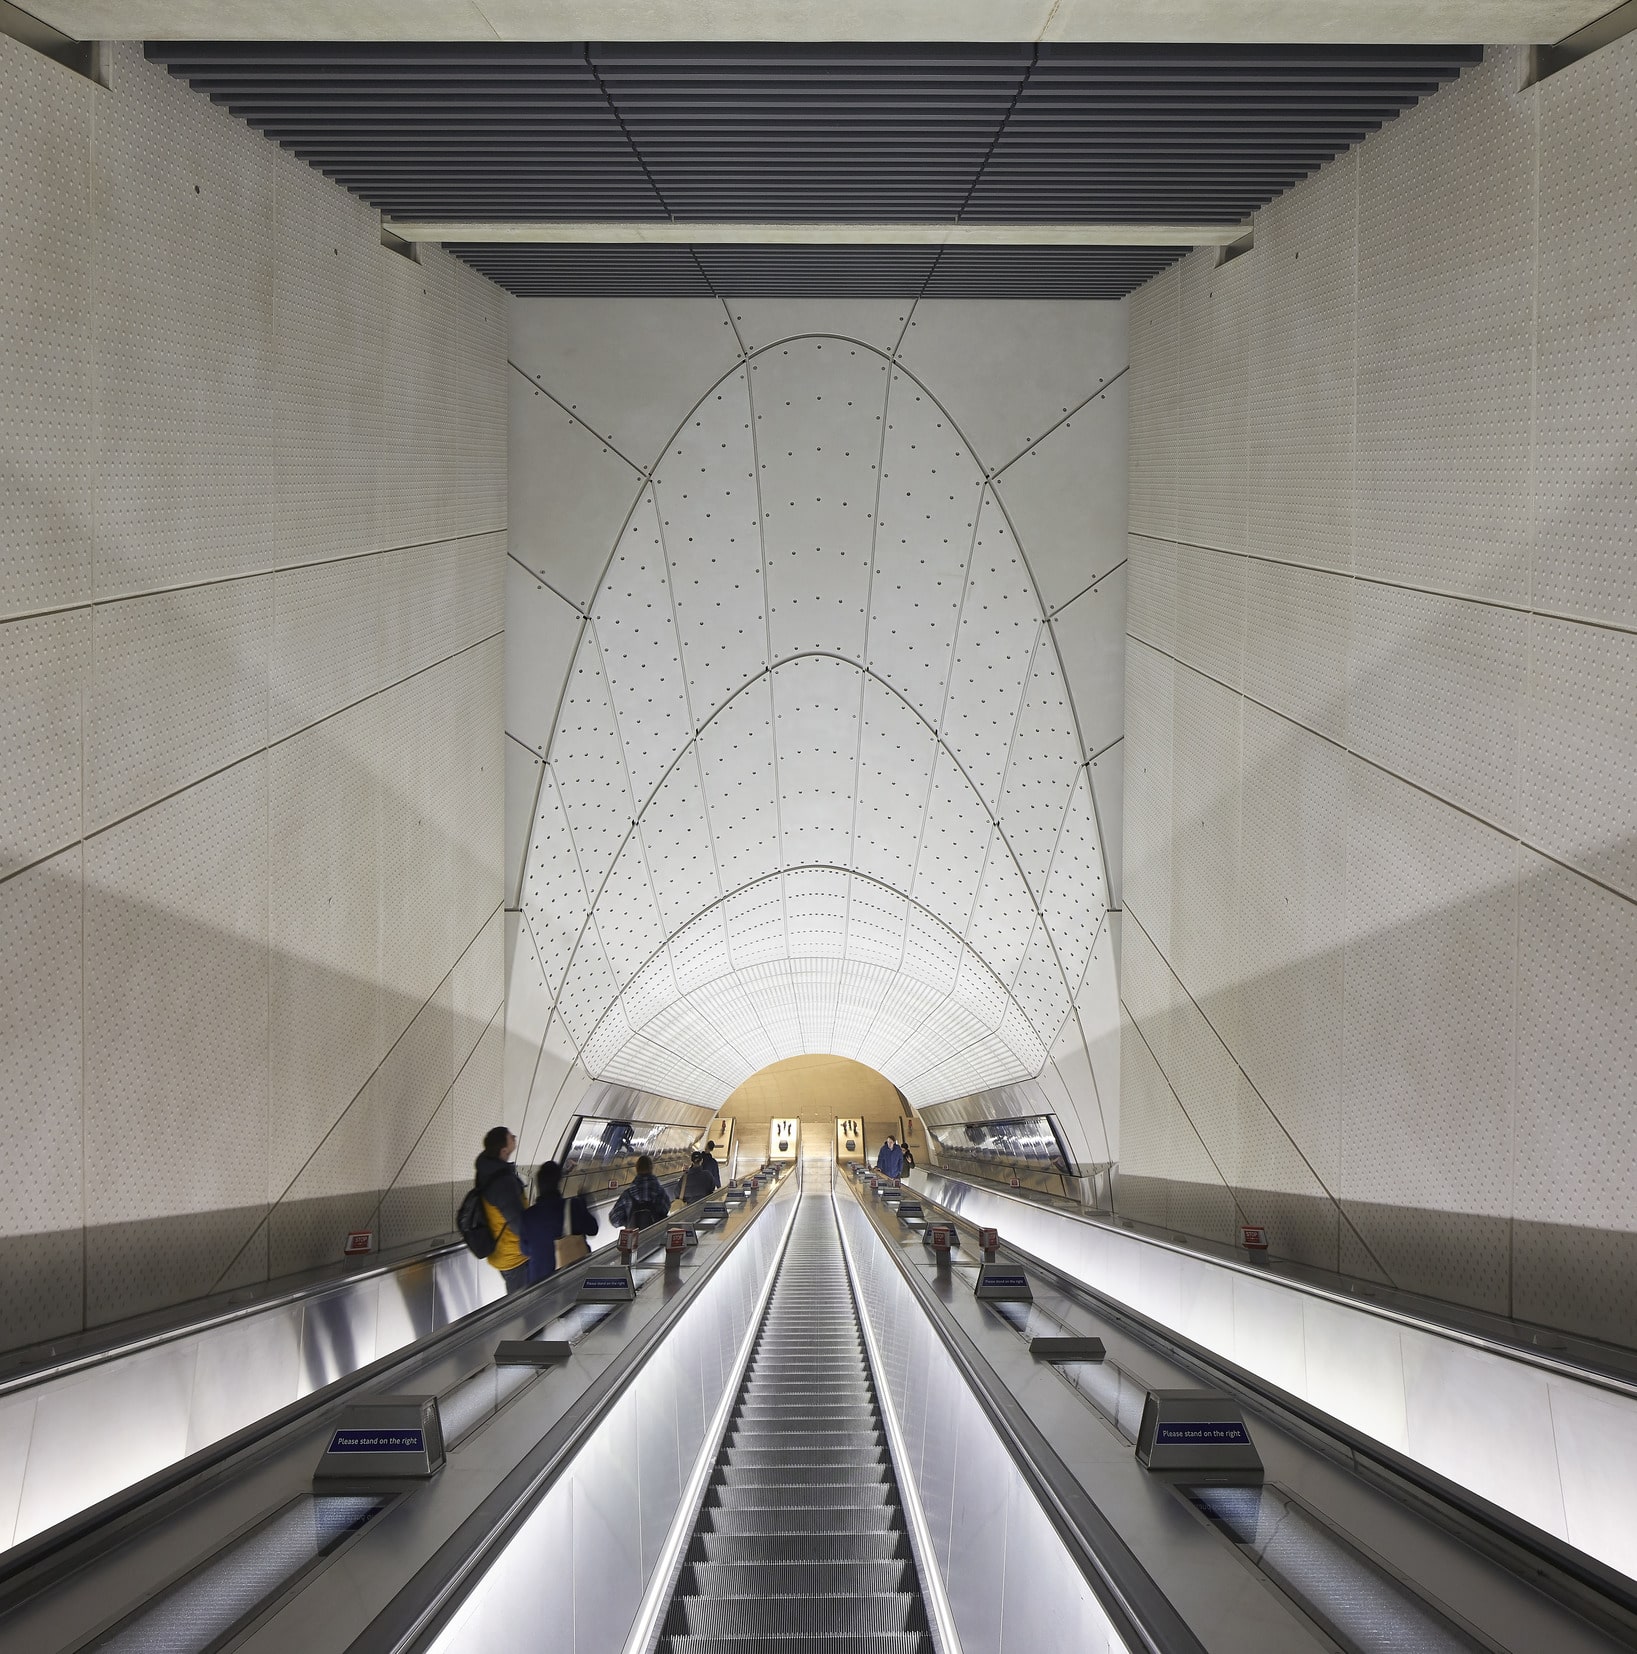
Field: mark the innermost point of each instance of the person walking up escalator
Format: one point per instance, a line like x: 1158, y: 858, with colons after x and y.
x: 555, y: 1226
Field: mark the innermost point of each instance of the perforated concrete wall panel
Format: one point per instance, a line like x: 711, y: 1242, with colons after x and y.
x: 260, y: 752
x: 1427, y: 753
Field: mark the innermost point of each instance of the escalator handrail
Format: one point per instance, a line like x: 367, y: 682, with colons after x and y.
x: 1141, y: 1613
x: 34, y: 1563
x: 1500, y: 1533
x: 429, y: 1599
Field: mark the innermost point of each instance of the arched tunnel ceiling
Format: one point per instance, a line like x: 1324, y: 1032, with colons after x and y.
x: 818, y: 779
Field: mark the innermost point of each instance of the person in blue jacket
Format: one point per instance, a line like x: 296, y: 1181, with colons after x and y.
x: 890, y: 1161
x: 550, y: 1218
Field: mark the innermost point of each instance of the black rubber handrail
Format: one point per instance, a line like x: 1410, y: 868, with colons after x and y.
x: 1571, y: 1577
x: 434, y: 1594
x: 1142, y: 1614
x: 34, y: 1564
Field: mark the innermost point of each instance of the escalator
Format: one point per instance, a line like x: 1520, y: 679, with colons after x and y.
x: 801, y: 1538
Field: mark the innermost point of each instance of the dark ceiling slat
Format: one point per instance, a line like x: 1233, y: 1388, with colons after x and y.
x: 743, y: 131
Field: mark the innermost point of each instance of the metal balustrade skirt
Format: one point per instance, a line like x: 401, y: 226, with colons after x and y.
x: 801, y: 1535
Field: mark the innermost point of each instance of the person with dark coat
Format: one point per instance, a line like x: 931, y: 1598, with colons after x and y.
x: 890, y: 1161
x: 713, y: 1166
x: 503, y: 1196
x: 644, y: 1201
x: 697, y: 1182
x: 552, y: 1216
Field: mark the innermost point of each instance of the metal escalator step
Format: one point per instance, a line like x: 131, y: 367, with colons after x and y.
x: 795, y: 1616
x: 765, y: 1519
x: 799, y: 1496
x: 793, y: 1454
x: 804, y: 1578
x: 815, y: 1475
x: 902, y: 1642
x: 891, y: 1546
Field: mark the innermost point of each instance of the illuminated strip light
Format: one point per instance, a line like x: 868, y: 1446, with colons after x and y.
x: 668, y: 232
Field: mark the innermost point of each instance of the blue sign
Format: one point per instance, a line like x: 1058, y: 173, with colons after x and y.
x: 992, y: 1279
x: 1201, y: 1433
x: 378, y: 1441
x: 605, y: 1283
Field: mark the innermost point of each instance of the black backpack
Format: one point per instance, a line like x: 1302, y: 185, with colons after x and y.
x: 643, y: 1213
x: 473, y: 1224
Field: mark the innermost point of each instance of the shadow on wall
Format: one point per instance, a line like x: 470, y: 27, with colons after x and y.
x: 243, y: 1107
x: 1472, y: 984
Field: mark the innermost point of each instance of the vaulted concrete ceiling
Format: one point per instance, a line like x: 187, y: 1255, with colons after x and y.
x: 834, y: 768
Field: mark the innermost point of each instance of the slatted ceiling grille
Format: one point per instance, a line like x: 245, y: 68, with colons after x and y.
x: 754, y: 132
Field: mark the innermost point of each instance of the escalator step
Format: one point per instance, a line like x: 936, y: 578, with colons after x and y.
x: 795, y: 1616
x: 892, y: 1546
x: 807, y: 1578
x: 881, y: 1643
x: 773, y: 1519
x: 800, y: 1496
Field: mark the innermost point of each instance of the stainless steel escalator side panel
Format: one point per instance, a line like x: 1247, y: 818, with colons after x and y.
x: 1437, y: 1399
x: 800, y: 1537
x: 1408, y: 1536
x: 1087, y: 1544
x: 111, y: 1558
x: 568, y: 1493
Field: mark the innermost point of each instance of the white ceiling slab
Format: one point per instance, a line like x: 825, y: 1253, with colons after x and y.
x: 931, y: 486
x: 636, y: 631
x: 1011, y: 369
x: 676, y: 834
x: 1074, y: 888
x: 627, y: 914
x: 763, y: 322
x: 542, y: 633
x: 1003, y: 916
x: 932, y: 951
x: 757, y: 934
x: 895, y: 758
x: 819, y: 406
x: 1090, y: 634
x: 1065, y: 496
x: 816, y: 706
x: 1040, y: 770
x: 632, y: 369
x: 740, y: 770
x: 875, y: 925
x: 590, y: 766
x: 1000, y: 620
x: 815, y: 907
x: 706, y: 488
x: 1363, y: 21
x: 700, y: 953
x: 571, y: 499
x: 588, y: 990
x: 954, y: 840
x: 553, y: 893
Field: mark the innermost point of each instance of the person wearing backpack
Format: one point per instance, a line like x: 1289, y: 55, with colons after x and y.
x: 491, y: 1215
x: 712, y: 1166
x: 644, y: 1202
x: 698, y: 1182
x: 555, y: 1226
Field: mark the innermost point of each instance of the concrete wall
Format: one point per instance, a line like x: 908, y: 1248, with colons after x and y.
x: 252, y: 514
x: 844, y: 584
x: 1380, y: 947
